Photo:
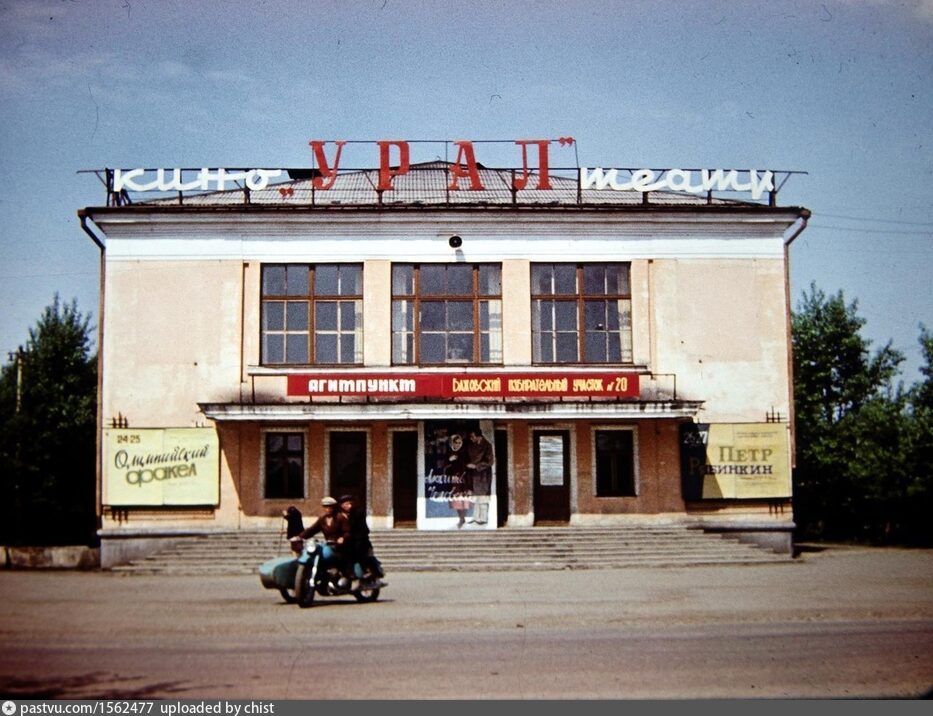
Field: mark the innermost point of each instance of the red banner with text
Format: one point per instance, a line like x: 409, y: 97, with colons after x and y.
x: 609, y: 384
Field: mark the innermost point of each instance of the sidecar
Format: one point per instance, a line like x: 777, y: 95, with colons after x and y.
x: 279, y: 573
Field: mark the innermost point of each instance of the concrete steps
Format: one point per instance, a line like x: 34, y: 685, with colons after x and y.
x: 242, y: 551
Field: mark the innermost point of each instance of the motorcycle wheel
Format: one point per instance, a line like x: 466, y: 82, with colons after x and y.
x: 304, y: 587
x: 366, y: 595
x: 288, y: 595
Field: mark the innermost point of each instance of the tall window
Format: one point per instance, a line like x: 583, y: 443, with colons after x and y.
x: 312, y: 314
x: 446, y: 313
x: 285, y: 465
x: 581, y: 313
x: 615, y: 463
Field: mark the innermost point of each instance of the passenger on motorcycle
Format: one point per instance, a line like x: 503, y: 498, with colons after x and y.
x: 335, y: 527
x: 360, y: 548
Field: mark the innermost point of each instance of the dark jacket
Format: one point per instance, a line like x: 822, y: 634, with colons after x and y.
x: 359, y: 532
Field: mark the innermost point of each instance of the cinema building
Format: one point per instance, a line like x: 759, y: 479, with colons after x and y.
x: 458, y: 350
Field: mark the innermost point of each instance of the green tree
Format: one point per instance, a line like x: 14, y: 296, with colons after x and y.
x: 47, y: 443
x: 851, y: 433
x: 918, y: 527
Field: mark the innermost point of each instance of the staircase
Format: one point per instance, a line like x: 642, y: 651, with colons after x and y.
x: 538, y: 548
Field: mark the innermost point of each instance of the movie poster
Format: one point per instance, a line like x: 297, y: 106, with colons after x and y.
x: 735, y: 461
x: 459, y: 475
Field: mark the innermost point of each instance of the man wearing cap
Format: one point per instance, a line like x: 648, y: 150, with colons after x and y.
x: 335, y: 527
x: 360, y: 547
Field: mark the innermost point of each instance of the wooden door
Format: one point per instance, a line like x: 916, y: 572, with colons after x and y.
x: 552, y: 476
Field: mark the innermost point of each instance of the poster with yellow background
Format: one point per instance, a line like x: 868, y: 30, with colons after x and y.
x: 735, y: 460
x: 161, y: 466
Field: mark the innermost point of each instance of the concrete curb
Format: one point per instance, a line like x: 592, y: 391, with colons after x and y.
x: 71, y: 557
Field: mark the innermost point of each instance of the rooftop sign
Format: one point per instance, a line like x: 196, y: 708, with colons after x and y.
x: 533, y: 171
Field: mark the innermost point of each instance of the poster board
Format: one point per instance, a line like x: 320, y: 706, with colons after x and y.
x: 161, y: 467
x: 735, y: 460
x: 457, y: 486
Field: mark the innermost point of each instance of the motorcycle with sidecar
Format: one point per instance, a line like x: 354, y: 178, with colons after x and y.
x: 316, y: 572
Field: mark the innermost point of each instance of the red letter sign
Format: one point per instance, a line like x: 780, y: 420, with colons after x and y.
x: 328, y: 173
x: 465, y: 149
x: 544, y: 181
x: 385, y: 172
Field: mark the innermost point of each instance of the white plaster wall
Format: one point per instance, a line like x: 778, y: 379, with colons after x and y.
x: 171, y: 338
x: 720, y: 327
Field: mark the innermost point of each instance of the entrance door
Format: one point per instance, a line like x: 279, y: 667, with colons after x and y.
x: 405, y: 478
x: 552, y: 476
x: 348, y: 465
x: 502, y: 477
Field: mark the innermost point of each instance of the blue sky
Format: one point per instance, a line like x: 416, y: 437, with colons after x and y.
x: 840, y: 89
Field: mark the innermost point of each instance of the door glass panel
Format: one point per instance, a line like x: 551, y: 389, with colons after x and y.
x: 551, y: 460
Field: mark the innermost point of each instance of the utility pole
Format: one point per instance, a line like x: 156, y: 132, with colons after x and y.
x: 18, y: 359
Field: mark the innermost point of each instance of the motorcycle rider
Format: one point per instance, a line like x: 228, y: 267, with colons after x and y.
x: 360, y: 548
x: 335, y: 527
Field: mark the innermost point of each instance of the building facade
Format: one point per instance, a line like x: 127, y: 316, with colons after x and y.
x: 466, y: 357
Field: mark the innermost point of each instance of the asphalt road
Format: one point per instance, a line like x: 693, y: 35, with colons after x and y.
x: 840, y: 623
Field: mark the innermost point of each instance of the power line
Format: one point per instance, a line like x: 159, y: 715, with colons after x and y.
x: 872, y: 231
x: 877, y: 221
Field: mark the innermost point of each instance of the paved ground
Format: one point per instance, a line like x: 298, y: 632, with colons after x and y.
x: 841, y: 622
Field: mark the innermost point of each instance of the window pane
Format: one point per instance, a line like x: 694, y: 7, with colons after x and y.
x: 617, y: 279
x: 325, y: 348
x: 273, y: 280
x: 565, y: 279
x: 432, y: 348
x: 325, y: 281
x: 594, y: 280
x: 566, y: 348
x: 275, y: 442
x: 460, y: 347
x: 594, y: 315
x: 432, y: 316
x: 351, y: 280
x: 296, y: 348
x: 491, y: 312
x: 544, y: 347
x: 432, y: 280
x: 543, y: 315
x: 613, y: 315
x: 460, y: 280
x: 295, y: 477
x: 459, y: 316
x: 294, y: 442
x: 325, y: 316
x: 273, y: 316
x: 490, y: 280
x: 595, y: 347
x: 565, y: 315
x: 297, y: 316
x: 615, y: 463
x: 348, y: 348
x: 296, y: 279
x: 403, y: 315
x: 347, y: 315
x: 403, y: 279
x: 541, y: 279
x: 273, y: 348
x: 403, y: 348
x: 613, y: 348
